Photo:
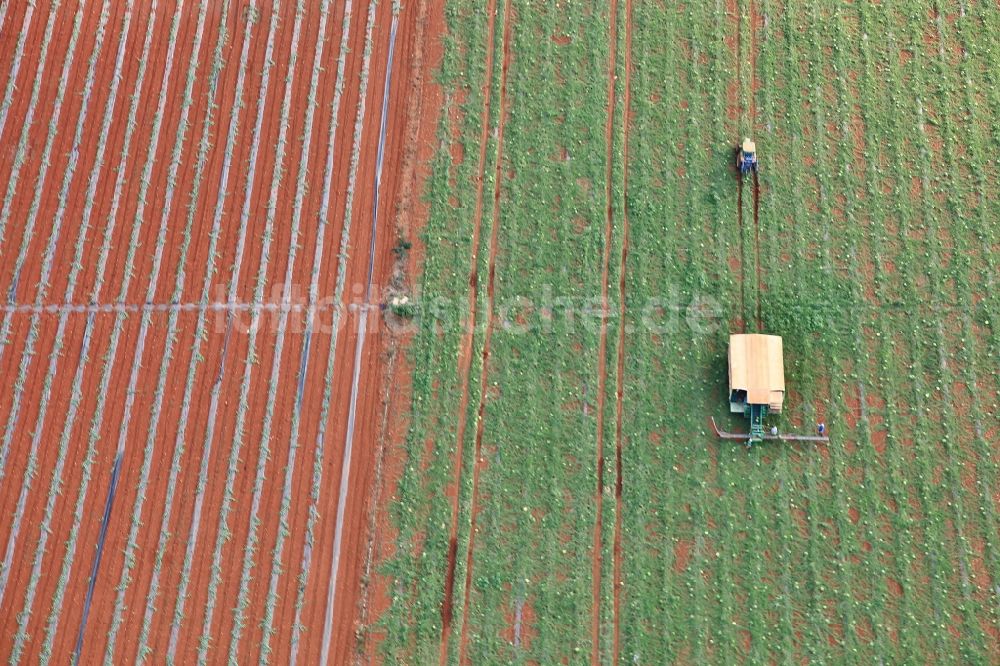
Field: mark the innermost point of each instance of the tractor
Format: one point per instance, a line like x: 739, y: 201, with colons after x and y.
x: 746, y: 157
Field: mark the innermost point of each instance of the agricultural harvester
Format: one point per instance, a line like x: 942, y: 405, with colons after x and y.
x: 757, y: 387
x: 746, y: 157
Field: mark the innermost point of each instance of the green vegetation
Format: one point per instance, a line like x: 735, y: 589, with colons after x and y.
x: 875, y: 126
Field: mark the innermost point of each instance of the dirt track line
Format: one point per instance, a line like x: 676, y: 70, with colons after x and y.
x: 743, y: 250
x: 752, y: 16
x: 487, y: 339
x: 602, y: 361
x: 317, y: 479
x: 465, y: 352
x: 359, y: 349
x: 756, y: 233
x: 620, y: 394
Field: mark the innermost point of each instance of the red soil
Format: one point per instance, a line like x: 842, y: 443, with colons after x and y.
x: 404, y: 121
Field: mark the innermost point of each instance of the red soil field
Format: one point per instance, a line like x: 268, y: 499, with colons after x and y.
x: 136, y: 355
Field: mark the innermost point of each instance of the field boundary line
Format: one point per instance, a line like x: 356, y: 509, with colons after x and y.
x: 465, y: 351
x: 507, y: 27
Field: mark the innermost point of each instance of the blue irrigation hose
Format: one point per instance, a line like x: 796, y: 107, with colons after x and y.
x: 108, y: 503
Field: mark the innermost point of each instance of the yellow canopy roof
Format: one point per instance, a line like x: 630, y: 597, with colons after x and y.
x: 749, y: 146
x: 757, y: 367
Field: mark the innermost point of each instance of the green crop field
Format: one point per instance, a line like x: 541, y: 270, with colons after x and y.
x: 877, y: 126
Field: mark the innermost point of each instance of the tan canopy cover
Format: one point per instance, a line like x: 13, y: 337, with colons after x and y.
x: 756, y: 366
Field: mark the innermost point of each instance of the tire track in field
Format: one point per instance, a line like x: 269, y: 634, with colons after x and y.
x: 602, y: 361
x: 465, y: 352
x: 620, y: 394
x: 746, y: 98
x: 739, y: 176
x: 490, y: 297
x: 752, y: 98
